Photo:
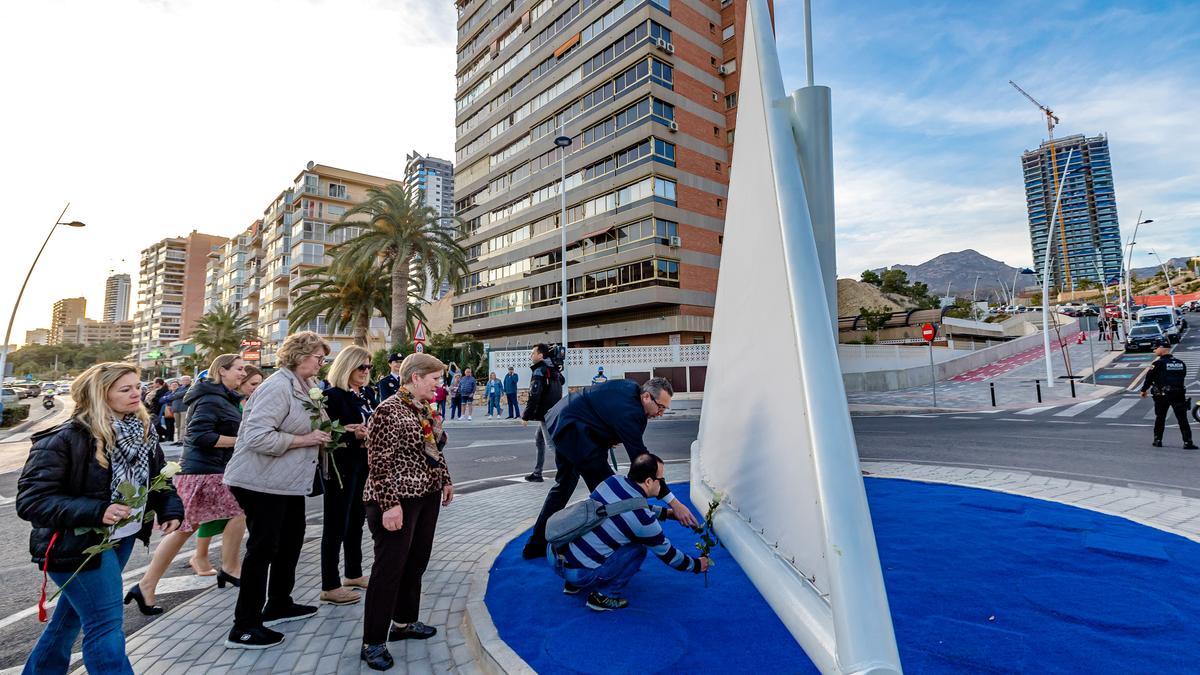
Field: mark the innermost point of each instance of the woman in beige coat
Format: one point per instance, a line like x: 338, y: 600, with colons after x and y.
x: 272, y: 469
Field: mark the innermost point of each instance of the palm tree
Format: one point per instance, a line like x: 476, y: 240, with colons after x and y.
x: 347, y: 296
x: 408, y: 240
x: 221, y: 331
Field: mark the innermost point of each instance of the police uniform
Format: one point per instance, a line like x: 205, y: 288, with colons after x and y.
x: 387, y: 386
x: 1165, y: 382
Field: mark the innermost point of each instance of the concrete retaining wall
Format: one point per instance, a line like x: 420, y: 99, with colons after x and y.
x: 918, y: 376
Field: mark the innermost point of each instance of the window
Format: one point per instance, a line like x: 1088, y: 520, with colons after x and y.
x: 336, y: 190
x: 718, y: 166
x: 731, y: 101
x: 729, y: 136
x: 727, y: 32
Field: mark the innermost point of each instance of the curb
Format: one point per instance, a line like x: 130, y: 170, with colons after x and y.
x: 493, y: 654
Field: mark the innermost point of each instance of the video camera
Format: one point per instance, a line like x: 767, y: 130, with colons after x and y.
x: 557, y: 356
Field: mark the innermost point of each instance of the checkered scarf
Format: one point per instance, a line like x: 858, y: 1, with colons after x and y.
x: 130, y: 459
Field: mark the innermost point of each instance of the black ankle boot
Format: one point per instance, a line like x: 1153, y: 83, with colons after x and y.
x: 377, y: 657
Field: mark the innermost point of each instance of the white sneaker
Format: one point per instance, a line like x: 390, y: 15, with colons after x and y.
x: 468, y: 418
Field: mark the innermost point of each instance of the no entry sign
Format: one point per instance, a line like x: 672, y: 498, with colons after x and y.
x: 928, y: 331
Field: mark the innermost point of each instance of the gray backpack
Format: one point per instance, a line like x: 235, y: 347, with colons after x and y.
x: 578, y: 519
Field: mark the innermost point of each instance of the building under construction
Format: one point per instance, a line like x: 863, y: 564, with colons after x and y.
x: 1087, y: 227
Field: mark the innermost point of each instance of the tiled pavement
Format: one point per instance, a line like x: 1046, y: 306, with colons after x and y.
x: 189, y: 638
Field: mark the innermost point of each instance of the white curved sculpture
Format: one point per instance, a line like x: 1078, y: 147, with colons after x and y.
x: 783, y: 457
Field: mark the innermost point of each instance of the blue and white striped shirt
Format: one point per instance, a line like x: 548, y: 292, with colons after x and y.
x: 639, y: 526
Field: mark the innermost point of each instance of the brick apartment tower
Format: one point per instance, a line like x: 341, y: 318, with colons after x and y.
x: 647, y: 92
x: 171, y: 289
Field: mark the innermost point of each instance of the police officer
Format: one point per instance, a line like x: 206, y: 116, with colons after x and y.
x: 390, y: 383
x: 1165, y: 383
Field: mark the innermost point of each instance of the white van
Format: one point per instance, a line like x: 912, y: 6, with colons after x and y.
x: 1166, y: 317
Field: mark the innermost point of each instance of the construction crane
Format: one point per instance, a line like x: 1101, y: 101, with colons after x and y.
x: 1051, y: 120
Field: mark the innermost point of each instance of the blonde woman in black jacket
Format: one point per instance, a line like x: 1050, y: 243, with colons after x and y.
x: 70, y: 481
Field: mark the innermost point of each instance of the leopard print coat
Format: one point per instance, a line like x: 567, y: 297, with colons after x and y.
x: 398, y: 467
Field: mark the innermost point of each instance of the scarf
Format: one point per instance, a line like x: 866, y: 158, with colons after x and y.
x: 130, y: 458
x: 431, y: 426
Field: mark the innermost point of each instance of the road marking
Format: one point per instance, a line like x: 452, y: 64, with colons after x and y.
x: 1127, y: 424
x: 1118, y: 408
x: 966, y: 418
x: 1014, y: 419
x: 919, y: 416
x: 1065, y: 422
x: 481, y: 444
x: 1078, y: 408
x: 1034, y: 411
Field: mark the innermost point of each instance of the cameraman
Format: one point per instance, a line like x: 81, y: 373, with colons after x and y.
x: 583, y: 428
x: 545, y: 389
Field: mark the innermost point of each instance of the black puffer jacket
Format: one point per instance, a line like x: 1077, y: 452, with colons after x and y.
x: 213, y: 411
x: 63, y: 487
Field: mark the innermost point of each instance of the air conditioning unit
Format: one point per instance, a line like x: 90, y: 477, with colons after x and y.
x: 676, y: 242
x: 670, y: 48
x: 721, y: 70
x: 664, y: 46
x: 674, y: 126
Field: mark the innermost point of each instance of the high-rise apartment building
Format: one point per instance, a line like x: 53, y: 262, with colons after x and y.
x: 89, y: 332
x: 116, y: 298
x: 434, y: 180
x: 1088, y: 228
x: 37, y: 336
x: 65, y: 313
x: 258, y: 269
x: 171, y: 290
x: 646, y: 91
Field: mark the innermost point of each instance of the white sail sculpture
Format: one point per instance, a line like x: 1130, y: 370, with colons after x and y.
x: 775, y: 439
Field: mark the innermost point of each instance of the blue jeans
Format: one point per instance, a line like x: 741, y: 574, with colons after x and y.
x: 494, y: 402
x: 609, y: 578
x: 92, y: 601
x: 514, y: 410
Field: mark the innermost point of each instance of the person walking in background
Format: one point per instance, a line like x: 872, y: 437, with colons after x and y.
x: 492, y: 390
x: 272, y: 469
x: 510, y: 392
x: 178, y: 409
x: 207, y: 446
x: 440, y: 398
x: 407, y: 484
x: 388, y: 384
x: 466, y: 393
x: 350, y: 402
x: 154, y: 401
x: 168, y: 413
x: 455, y: 397
x: 207, y: 531
x: 71, y: 480
x: 545, y: 389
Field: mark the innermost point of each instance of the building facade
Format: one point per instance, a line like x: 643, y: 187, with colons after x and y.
x: 646, y: 91
x: 1087, y: 230
x: 116, y: 298
x: 88, y: 332
x: 171, y: 291
x: 37, y: 336
x: 65, y: 313
x: 434, y: 180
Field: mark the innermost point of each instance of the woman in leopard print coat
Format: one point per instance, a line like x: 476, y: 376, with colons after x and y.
x: 407, y: 484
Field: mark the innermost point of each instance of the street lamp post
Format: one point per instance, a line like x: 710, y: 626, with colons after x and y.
x: 974, y: 291
x: 563, y: 142
x: 1128, y: 308
x: 12, y: 317
x: 1170, y: 286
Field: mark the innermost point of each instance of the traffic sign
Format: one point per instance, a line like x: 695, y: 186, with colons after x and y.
x: 419, y: 333
x: 419, y: 347
x: 928, y: 331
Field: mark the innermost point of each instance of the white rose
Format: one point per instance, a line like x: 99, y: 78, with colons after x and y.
x: 170, y: 469
x: 316, y: 394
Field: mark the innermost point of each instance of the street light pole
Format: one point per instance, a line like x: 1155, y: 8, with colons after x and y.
x: 974, y: 290
x: 1170, y: 286
x: 1046, y: 273
x: 563, y: 142
x: 12, y: 317
x: 1126, y: 310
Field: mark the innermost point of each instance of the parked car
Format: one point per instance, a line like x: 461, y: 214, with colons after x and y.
x: 8, y: 396
x: 1112, y: 311
x: 1167, y: 319
x: 1146, y: 337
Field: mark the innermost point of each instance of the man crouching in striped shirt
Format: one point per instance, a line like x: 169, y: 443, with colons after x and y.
x: 606, y: 558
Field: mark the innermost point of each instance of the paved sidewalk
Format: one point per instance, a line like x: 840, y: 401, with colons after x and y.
x: 189, y: 638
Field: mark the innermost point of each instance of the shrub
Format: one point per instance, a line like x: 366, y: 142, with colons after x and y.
x: 14, y: 414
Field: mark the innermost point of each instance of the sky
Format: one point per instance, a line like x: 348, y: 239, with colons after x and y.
x: 154, y: 118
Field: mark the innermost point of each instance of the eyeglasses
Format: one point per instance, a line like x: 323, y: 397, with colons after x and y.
x: 364, y: 368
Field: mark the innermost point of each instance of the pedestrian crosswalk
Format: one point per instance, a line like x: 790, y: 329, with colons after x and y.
x: 1128, y: 409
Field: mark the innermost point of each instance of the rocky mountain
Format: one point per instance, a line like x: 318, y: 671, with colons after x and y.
x: 1173, y: 263
x: 958, y: 269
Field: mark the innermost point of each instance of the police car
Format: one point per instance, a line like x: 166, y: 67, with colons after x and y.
x: 1146, y: 336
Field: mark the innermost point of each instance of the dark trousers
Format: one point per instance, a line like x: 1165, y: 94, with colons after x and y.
x: 275, y: 534
x: 514, y: 410
x: 169, y: 425
x: 401, y: 557
x: 565, y: 482
x: 344, y: 515
x: 455, y: 407
x: 1176, y: 401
